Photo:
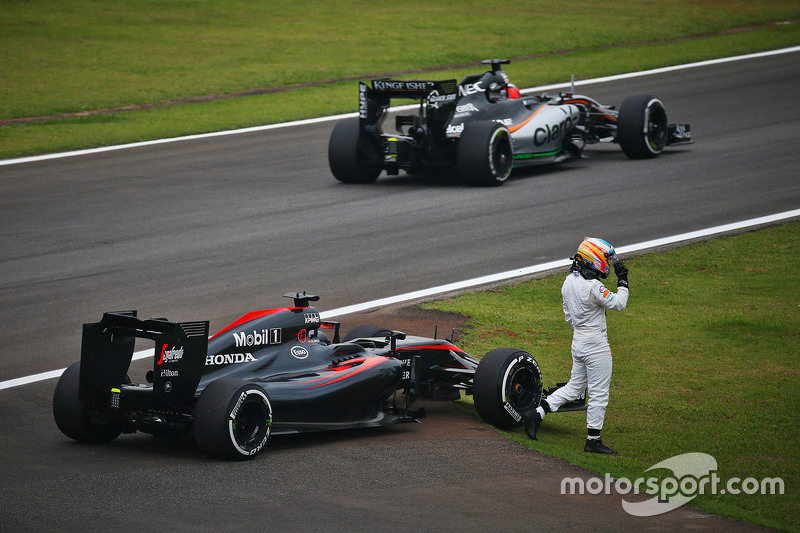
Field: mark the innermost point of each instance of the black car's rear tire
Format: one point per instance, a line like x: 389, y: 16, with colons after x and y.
x: 485, y: 154
x: 71, y: 415
x: 642, y: 127
x: 351, y: 158
x: 232, y: 419
x: 508, y: 383
x: 366, y: 332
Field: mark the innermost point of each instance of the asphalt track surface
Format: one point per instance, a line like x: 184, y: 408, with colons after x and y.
x: 213, y: 228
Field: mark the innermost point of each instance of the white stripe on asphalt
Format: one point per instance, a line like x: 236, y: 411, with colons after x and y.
x: 45, y: 157
x: 483, y: 280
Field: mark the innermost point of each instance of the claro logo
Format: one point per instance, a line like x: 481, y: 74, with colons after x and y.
x: 552, y: 132
x: 229, y: 358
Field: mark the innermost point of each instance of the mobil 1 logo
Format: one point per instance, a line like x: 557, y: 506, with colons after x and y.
x: 263, y: 337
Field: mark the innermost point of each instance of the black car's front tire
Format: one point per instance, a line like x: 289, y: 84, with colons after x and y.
x: 232, y: 419
x: 642, y: 127
x: 484, y: 154
x: 71, y: 415
x: 351, y: 158
x: 508, y: 383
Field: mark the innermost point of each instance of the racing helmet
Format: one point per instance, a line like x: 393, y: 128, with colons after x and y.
x: 495, y: 83
x: 596, y: 254
x: 512, y: 92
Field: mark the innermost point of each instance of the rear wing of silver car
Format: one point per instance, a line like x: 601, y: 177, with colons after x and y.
x: 107, y: 350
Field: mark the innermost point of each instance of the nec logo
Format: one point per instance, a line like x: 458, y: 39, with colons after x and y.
x: 471, y: 88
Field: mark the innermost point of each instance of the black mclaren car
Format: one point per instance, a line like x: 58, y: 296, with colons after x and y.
x: 276, y: 371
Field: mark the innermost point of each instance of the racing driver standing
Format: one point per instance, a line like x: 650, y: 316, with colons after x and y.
x: 586, y: 300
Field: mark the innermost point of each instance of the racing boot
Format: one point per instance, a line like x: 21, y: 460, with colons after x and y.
x: 597, y: 446
x: 532, y: 421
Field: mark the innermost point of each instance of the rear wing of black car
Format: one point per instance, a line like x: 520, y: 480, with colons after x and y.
x: 373, y: 101
x: 107, y: 350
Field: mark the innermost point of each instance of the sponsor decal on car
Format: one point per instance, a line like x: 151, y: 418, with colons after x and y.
x: 434, y: 99
x: 299, y: 352
x: 362, y: 100
x: 258, y: 338
x: 552, y: 132
x: 229, y: 358
x: 170, y: 355
x: 455, y: 130
x: 465, y: 108
x: 470, y: 88
x: 396, y: 85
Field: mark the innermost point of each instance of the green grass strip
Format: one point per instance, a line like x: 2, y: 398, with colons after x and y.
x: 34, y: 85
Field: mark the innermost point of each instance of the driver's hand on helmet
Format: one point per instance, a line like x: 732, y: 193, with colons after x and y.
x: 622, y: 274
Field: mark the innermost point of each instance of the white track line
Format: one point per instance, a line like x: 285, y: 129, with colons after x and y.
x: 45, y: 157
x: 483, y: 280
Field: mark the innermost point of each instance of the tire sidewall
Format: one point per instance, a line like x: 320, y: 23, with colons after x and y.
x: 500, y: 140
x: 477, y: 154
x: 70, y: 414
x: 345, y: 160
x: 633, y: 126
x: 496, y: 373
x: 249, y: 397
x: 221, y: 408
x: 654, y: 107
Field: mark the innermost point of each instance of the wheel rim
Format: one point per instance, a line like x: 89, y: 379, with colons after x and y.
x: 500, y: 158
x: 522, y: 388
x: 250, y: 426
x: 655, y: 127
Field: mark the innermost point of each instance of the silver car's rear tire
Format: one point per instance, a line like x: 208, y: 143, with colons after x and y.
x: 485, y: 154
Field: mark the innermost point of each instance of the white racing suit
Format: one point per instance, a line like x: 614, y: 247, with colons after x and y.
x: 585, y: 304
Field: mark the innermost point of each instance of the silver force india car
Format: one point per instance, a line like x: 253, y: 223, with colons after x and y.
x: 482, y: 128
x: 276, y: 371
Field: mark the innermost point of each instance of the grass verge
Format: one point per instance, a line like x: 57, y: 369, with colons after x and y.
x: 83, y: 55
x: 705, y: 360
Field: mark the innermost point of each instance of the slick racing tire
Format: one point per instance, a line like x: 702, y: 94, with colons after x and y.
x: 71, y: 415
x: 232, y: 419
x: 508, y: 383
x: 642, y: 127
x: 366, y: 332
x: 352, y: 159
x: 484, y: 155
